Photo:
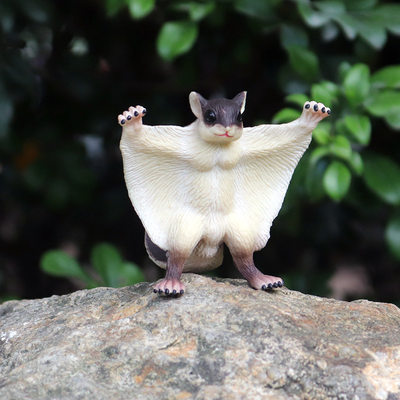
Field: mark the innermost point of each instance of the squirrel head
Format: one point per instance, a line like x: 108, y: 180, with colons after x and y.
x: 220, y: 120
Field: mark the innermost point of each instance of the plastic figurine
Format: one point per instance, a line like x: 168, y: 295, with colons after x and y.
x: 209, y: 183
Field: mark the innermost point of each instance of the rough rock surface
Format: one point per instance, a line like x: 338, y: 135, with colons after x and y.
x: 221, y: 340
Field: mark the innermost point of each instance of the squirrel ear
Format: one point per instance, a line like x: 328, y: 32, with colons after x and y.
x: 240, y: 100
x: 197, y: 102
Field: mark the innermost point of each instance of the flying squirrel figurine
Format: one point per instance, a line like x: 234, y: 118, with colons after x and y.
x: 213, y: 182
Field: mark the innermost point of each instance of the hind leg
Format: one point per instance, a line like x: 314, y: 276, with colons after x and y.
x: 253, y: 275
x: 184, y: 234
x: 242, y: 240
x: 171, y: 284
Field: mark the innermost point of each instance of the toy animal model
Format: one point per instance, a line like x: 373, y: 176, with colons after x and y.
x: 211, y: 183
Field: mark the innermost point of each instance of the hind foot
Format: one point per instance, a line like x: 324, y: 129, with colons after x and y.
x: 265, y: 282
x: 169, y: 287
x: 254, y: 276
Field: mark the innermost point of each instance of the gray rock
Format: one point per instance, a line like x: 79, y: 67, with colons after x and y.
x: 221, y: 340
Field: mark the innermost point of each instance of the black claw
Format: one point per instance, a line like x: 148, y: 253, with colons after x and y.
x: 275, y: 285
x: 307, y: 106
x: 315, y: 107
x: 144, y: 111
x: 264, y: 287
x: 280, y: 284
x: 269, y: 285
x: 166, y: 291
x: 329, y: 111
x: 174, y: 292
x: 155, y: 290
x: 122, y: 121
x: 323, y: 109
x: 135, y: 113
x: 129, y: 117
x: 159, y: 291
x: 182, y: 291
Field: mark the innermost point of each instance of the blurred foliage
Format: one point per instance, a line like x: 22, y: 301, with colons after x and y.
x: 106, y: 260
x: 339, y: 152
x: 68, y: 68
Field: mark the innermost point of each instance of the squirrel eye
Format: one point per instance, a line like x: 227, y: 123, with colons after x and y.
x: 240, y: 117
x: 210, y: 117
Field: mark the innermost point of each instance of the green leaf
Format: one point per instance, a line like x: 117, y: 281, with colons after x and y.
x: 392, y: 236
x: 130, y: 274
x: 293, y: 35
x: 359, y: 4
x: 312, y: 18
x: 303, y: 61
x: 114, y: 6
x: 329, y: 32
x: 331, y: 7
x: 140, y: 8
x: 382, y: 176
x: 371, y: 30
x: 257, y: 9
x: 108, y: 263
x: 383, y: 103
x: 59, y: 263
x: 285, y: 115
x: 393, y: 120
x: 340, y: 127
x: 389, y: 15
x: 348, y: 25
x: 344, y: 68
x: 297, y: 98
x: 360, y: 127
x: 197, y: 11
x: 356, y: 163
x: 319, y: 153
x: 314, y: 177
x: 336, y: 180
x: 356, y: 84
x: 361, y: 22
x: 341, y: 147
x: 388, y: 77
x: 321, y: 133
x: 374, y: 36
x: 176, y: 38
x: 325, y: 92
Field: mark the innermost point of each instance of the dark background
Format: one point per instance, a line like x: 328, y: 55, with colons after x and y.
x: 68, y: 68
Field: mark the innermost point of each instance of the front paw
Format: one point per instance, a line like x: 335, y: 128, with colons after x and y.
x: 132, y: 117
x: 314, y: 112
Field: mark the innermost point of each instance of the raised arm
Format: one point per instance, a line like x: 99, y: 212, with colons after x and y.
x: 293, y: 137
x: 161, y: 140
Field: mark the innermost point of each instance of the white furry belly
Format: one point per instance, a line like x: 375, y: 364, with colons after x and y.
x: 212, y: 197
x: 212, y: 193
